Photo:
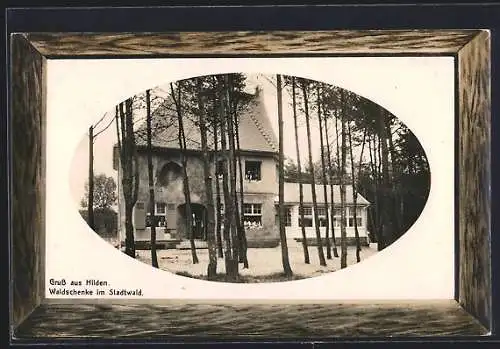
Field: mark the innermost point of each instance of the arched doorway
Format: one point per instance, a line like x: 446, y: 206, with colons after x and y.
x: 198, y: 221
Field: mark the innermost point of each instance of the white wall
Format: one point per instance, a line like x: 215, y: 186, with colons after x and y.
x: 295, y: 231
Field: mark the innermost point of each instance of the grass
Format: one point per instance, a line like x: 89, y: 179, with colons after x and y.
x: 273, y: 277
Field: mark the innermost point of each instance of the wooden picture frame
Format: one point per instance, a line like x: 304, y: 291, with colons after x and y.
x: 470, y: 314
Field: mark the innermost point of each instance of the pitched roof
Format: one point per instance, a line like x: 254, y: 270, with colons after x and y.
x: 255, y: 130
x: 292, y: 194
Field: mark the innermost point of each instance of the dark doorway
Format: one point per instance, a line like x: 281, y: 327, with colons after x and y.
x: 199, y: 214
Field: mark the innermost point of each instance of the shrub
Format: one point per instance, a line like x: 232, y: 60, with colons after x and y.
x: 105, y: 221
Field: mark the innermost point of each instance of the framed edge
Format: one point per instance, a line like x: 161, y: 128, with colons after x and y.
x: 27, y: 116
x: 476, y: 300
x: 474, y: 99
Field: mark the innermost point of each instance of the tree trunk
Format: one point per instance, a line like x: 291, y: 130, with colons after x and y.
x: 239, y: 202
x: 90, y: 203
x: 281, y: 183
x: 375, y: 217
x: 209, y: 196
x: 386, y: 200
x: 218, y: 201
x: 154, y: 257
x: 228, y: 256
x: 321, y: 255
x: 355, y: 191
x: 235, y: 238
x: 243, y: 237
x: 231, y: 262
x: 395, y: 186
x: 129, y: 183
x: 299, y: 166
x: 343, y: 220
x: 340, y: 174
x: 187, y: 193
x: 323, y: 172
x: 330, y: 177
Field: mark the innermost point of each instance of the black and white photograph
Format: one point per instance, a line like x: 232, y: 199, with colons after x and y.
x: 250, y: 177
x: 252, y: 196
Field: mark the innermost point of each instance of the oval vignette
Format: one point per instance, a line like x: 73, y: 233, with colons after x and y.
x: 231, y: 150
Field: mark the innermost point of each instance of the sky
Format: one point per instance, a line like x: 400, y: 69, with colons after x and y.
x: 103, y: 144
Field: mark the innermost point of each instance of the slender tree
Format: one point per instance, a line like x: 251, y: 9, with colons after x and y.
x: 330, y: 178
x: 218, y: 200
x: 209, y: 196
x: 386, y: 200
x: 231, y: 261
x: 118, y: 146
x: 375, y: 216
x: 90, y: 204
x: 90, y: 200
x: 130, y: 172
x: 354, y: 189
x: 228, y: 254
x: 152, y: 221
x: 343, y: 220
x: 360, y: 166
x: 299, y: 174
x: 187, y: 194
x: 323, y: 174
x: 233, y: 102
x: 243, y: 237
x: 393, y: 177
x: 281, y: 192
x: 235, y: 238
x: 321, y: 255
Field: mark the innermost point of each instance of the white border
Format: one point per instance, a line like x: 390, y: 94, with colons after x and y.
x: 418, y: 90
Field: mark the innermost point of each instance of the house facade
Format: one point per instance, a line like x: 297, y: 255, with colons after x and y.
x: 259, y: 159
x: 293, y: 221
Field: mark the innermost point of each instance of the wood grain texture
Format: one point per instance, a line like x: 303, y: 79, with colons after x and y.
x: 251, y: 322
x: 474, y: 177
x: 265, y: 42
x: 27, y: 174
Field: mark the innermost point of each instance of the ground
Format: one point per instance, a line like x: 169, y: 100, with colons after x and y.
x: 264, y: 263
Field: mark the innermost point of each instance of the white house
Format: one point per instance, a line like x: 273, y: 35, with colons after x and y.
x: 259, y: 155
x: 293, y: 223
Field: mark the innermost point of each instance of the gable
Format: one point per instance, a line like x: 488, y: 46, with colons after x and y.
x: 255, y: 129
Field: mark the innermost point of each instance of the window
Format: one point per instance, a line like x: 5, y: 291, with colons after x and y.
x: 252, y: 215
x: 308, y: 219
x: 288, y: 216
x: 337, y: 217
x: 219, y: 168
x: 322, y: 216
x: 252, y: 170
x: 159, y: 217
x: 308, y: 211
x: 160, y: 221
x: 160, y: 208
x: 359, y: 215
